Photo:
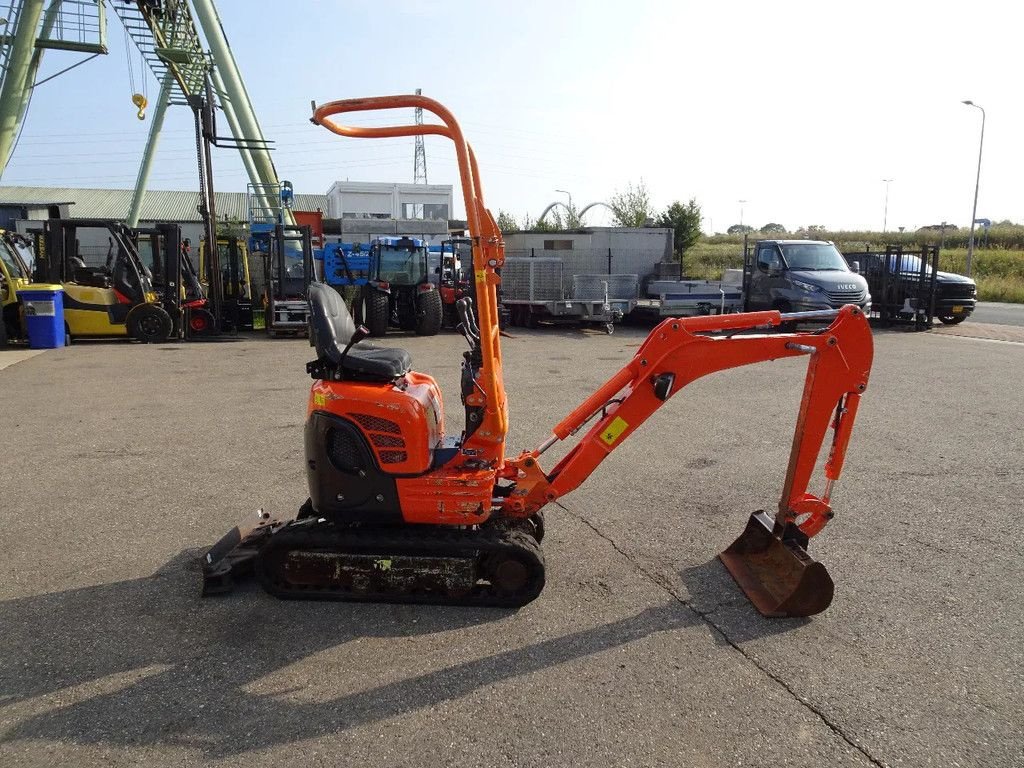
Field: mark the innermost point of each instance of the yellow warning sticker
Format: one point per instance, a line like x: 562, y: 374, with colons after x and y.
x: 319, y: 400
x: 614, y: 430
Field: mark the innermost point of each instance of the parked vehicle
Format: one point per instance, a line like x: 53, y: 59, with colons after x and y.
x: 896, y: 278
x: 800, y: 276
x: 108, y: 291
x: 787, y: 275
x: 454, y: 279
x: 14, y: 276
x: 394, y: 280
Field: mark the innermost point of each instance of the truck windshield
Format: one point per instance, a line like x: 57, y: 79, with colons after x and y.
x: 402, y: 265
x: 814, y: 256
x: 12, y: 261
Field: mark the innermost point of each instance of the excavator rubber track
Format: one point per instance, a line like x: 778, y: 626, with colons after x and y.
x: 493, y: 565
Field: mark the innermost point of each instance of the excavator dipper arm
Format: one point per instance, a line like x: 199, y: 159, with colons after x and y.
x: 675, y: 354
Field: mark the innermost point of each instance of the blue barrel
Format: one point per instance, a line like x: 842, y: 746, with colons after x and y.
x: 43, y: 308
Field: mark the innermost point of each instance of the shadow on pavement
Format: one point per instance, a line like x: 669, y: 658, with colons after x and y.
x: 716, y: 596
x: 147, y: 662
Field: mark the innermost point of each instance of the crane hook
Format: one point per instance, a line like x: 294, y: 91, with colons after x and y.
x: 141, y: 102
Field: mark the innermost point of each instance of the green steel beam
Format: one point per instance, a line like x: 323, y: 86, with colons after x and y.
x: 15, y: 77
x: 234, y: 88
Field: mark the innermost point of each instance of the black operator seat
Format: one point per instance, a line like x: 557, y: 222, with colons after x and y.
x: 332, y: 327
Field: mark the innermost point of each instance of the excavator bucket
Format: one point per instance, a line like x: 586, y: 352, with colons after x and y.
x: 775, y: 571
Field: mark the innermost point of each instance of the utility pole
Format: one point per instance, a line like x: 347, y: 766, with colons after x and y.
x: 885, y: 210
x: 419, y: 171
x: 742, y: 203
x: 977, y: 183
x: 419, y: 165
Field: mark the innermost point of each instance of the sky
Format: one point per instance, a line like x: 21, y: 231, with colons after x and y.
x: 801, y: 109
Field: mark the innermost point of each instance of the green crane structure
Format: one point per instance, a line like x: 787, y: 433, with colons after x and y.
x: 169, y: 42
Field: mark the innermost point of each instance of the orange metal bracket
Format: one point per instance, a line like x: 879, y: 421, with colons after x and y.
x: 487, y: 443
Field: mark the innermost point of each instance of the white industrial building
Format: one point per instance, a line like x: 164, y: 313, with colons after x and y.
x: 373, y: 200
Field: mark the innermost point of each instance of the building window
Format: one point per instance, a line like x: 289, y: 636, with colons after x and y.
x: 432, y: 211
x: 558, y: 245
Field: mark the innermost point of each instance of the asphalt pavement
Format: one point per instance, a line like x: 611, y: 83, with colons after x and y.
x: 121, y: 462
x: 1000, y: 313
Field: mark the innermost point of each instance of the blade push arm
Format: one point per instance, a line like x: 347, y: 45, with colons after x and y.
x: 673, y: 356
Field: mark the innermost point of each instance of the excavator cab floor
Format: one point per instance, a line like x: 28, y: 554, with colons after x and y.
x: 775, y: 571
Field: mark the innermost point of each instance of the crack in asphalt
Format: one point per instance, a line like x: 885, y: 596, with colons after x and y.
x: 705, y: 616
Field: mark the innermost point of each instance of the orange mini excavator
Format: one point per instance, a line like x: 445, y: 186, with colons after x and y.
x: 398, y: 511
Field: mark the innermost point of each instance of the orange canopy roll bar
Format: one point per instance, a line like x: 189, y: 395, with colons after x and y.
x: 488, y: 440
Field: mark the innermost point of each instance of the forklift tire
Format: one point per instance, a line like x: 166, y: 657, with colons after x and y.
x: 428, y: 313
x: 376, y: 312
x: 3, y: 333
x: 201, y: 322
x: 149, y: 324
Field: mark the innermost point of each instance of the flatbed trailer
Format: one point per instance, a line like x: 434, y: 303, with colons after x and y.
x: 536, y: 290
x: 687, y: 298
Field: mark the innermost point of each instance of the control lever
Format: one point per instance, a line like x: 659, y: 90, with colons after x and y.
x: 472, y: 318
x: 462, y: 306
x: 360, y: 333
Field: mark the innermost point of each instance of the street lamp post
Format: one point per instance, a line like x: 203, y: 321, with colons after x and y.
x: 564, y: 192
x: 885, y: 211
x: 977, y: 183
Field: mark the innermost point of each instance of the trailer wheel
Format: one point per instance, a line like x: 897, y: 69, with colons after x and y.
x: 149, y: 324
x: 428, y: 313
x: 376, y: 311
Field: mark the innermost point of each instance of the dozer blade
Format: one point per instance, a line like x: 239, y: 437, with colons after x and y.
x: 775, y: 571
x: 233, y: 556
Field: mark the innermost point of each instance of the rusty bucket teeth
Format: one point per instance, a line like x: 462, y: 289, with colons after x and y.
x: 775, y: 571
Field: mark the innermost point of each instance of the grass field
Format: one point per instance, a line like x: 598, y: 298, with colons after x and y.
x: 999, y: 272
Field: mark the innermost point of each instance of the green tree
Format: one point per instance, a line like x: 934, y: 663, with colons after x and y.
x: 632, y: 207
x: 684, y: 220
x: 773, y: 229
x: 739, y: 229
x: 507, y: 222
x: 552, y: 222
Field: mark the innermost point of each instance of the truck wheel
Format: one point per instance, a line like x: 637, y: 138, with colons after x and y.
x: 149, y: 324
x: 376, y: 313
x: 952, y: 319
x: 428, y: 313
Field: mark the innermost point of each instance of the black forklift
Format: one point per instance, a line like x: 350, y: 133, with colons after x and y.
x: 287, y: 253
x: 176, y: 280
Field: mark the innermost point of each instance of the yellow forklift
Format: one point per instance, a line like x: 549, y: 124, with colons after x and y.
x: 108, y: 291
x: 14, y: 276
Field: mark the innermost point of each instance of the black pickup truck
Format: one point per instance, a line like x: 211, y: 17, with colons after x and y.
x: 896, y: 289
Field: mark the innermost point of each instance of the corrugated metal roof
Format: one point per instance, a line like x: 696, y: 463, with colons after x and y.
x: 159, y: 205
